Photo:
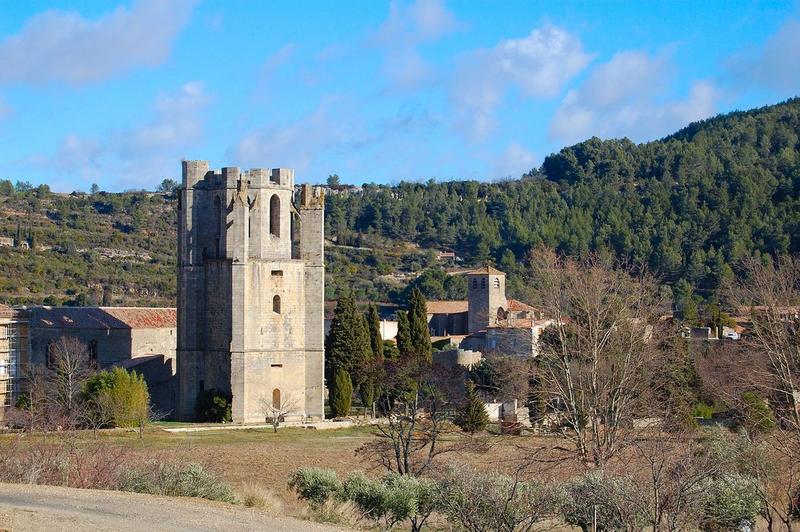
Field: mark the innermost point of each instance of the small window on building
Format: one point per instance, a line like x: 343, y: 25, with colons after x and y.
x: 483, y: 283
x: 276, y: 273
x: 276, y: 365
x: 276, y: 399
x: 497, y: 282
x: 276, y: 304
x: 474, y: 283
x: 93, y: 350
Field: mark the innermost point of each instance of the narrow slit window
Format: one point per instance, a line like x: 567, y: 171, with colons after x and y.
x: 276, y: 304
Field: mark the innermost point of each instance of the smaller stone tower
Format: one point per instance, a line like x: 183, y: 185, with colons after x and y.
x: 486, y: 294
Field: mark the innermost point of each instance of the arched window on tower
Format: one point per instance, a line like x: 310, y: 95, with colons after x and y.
x: 276, y: 304
x: 497, y: 282
x: 275, y: 215
x: 474, y: 282
x: 483, y: 283
x: 276, y: 399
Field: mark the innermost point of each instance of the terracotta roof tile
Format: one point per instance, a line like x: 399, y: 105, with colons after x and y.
x: 104, y: 317
x: 447, y: 307
x: 518, y: 306
x: 486, y: 270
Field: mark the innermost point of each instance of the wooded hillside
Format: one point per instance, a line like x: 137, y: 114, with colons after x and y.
x: 689, y: 206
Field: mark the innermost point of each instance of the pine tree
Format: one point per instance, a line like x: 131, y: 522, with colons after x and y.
x: 472, y: 417
x: 418, y: 326
x: 403, y: 338
x: 341, y: 394
x: 374, y: 327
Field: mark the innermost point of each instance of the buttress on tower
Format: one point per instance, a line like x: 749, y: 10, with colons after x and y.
x: 250, y: 292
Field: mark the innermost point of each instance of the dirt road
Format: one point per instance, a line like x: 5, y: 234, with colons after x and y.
x: 26, y: 507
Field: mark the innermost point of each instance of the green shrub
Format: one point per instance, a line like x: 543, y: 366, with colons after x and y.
x: 341, y: 394
x: 756, y: 415
x: 176, y: 480
x: 315, y: 485
x: 472, y: 416
x: 120, y: 396
x: 617, y: 502
x: 702, y: 411
x: 213, y: 406
x: 730, y: 502
x: 392, y: 499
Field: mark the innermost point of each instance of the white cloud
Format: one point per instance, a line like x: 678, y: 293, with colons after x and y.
x: 417, y: 22
x: 139, y: 156
x: 775, y: 65
x: 62, y: 46
x: 298, y: 144
x: 337, y: 131
x: 626, y: 97
x: 408, y: 27
x: 513, y: 162
x: 538, y: 65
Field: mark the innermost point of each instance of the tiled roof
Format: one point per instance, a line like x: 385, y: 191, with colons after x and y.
x: 447, y: 307
x: 10, y: 312
x: 519, y: 306
x: 104, y: 318
x: 486, y: 270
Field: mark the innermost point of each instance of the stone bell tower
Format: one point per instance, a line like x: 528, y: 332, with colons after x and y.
x: 250, y: 292
x: 486, y: 295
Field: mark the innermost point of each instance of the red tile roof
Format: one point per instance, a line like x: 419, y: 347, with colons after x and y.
x: 104, y: 318
x: 486, y: 270
x: 518, y: 306
x: 455, y: 307
x: 447, y: 307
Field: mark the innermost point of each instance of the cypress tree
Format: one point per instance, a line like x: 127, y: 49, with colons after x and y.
x: 374, y: 327
x: 418, y: 326
x: 347, y: 346
x: 341, y: 393
x: 472, y: 417
x: 404, y: 335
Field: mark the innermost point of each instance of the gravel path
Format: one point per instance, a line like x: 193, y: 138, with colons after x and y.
x: 27, y: 507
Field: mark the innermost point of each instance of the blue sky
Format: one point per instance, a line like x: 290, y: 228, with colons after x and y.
x: 373, y: 91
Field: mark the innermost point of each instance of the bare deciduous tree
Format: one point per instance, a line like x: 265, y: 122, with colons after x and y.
x: 769, y: 296
x: 70, y: 365
x: 594, y: 359
x: 410, y: 440
x: 276, y: 412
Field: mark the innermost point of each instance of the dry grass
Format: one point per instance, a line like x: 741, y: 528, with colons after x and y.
x: 336, y: 513
x: 259, y: 462
x: 255, y: 495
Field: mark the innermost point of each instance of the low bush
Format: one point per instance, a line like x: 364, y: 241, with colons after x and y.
x: 176, y: 480
x: 315, y: 485
x: 493, y: 501
x: 614, y: 501
x: 100, y: 466
x: 731, y: 502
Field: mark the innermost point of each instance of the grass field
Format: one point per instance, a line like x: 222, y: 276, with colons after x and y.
x: 253, y: 456
x: 259, y: 459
